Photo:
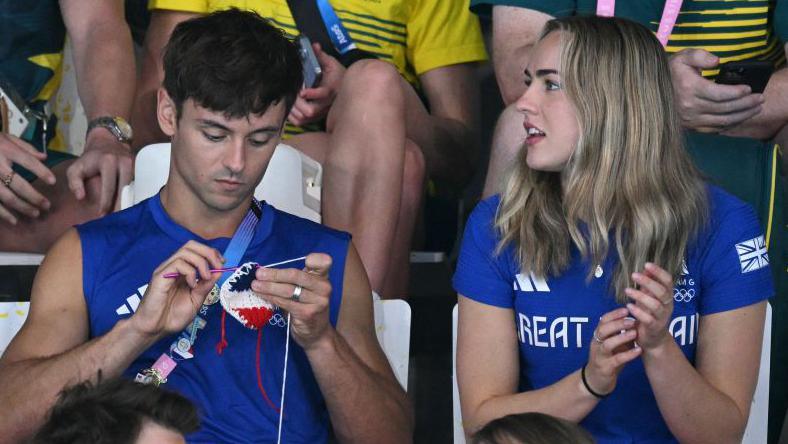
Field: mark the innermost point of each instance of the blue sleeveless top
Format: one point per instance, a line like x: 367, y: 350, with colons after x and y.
x: 121, y: 251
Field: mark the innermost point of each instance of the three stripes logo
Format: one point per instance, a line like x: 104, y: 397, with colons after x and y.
x: 132, y: 302
x: 530, y: 283
x: 752, y: 254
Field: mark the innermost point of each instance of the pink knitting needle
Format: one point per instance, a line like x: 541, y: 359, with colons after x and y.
x: 222, y: 270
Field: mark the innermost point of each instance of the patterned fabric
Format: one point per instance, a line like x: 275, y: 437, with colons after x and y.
x: 32, y: 36
x: 733, y: 29
x: 414, y: 35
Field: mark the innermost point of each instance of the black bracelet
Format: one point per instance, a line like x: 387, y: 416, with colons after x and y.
x: 588, y: 387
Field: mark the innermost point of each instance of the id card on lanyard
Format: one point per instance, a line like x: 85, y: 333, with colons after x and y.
x: 233, y: 254
x: 607, y: 8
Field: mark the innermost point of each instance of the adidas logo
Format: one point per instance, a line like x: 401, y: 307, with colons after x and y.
x: 530, y: 283
x: 132, y: 302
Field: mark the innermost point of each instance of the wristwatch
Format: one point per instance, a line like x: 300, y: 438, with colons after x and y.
x: 118, y: 126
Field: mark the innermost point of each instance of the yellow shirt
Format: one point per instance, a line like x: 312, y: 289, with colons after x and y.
x: 414, y: 35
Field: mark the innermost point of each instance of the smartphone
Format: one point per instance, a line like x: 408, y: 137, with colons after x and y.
x: 312, y: 70
x: 13, y: 119
x: 753, y: 73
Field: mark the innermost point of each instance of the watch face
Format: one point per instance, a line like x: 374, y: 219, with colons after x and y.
x: 124, y: 127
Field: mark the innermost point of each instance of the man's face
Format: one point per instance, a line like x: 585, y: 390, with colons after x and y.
x: 220, y: 160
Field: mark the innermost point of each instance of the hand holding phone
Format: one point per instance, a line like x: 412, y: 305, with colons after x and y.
x: 754, y: 73
x: 312, y: 70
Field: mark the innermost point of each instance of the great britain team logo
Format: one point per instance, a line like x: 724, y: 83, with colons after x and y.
x: 752, y: 254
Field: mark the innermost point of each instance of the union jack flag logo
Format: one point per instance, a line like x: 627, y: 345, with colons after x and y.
x: 752, y: 254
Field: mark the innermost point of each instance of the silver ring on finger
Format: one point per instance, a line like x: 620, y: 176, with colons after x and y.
x: 597, y: 339
x: 8, y: 178
x: 296, y: 296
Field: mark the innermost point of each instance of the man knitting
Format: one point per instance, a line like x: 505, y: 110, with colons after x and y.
x: 230, y: 80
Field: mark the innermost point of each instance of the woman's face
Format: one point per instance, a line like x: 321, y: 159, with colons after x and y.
x: 550, y: 120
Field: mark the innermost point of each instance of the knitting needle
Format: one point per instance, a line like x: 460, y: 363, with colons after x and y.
x: 222, y: 270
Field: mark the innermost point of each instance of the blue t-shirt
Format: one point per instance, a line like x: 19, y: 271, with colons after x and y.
x: 120, y: 253
x: 726, y: 267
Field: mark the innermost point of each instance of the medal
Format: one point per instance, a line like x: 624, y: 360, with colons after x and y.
x: 213, y: 296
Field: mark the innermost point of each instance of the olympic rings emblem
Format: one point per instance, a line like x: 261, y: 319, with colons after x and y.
x: 278, y: 320
x: 683, y: 295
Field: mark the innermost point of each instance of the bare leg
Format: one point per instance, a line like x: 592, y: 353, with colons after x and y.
x: 37, y: 235
x: 507, y: 142
x: 363, y: 162
x: 396, y: 283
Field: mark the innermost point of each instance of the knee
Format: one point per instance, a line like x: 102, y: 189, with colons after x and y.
x: 371, y: 78
x: 414, y: 169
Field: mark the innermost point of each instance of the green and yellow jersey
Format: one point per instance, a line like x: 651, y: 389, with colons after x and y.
x: 416, y: 36
x: 32, y: 35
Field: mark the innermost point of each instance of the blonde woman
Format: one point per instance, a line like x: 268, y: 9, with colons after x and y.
x: 608, y: 284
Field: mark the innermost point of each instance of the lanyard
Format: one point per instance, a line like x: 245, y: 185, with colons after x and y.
x: 336, y: 31
x: 183, y: 344
x: 606, y: 8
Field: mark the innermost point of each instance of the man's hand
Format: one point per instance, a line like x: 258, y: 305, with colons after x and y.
x: 312, y: 104
x: 104, y: 156
x: 19, y: 196
x: 704, y: 105
x: 170, y: 304
x: 309, y: 312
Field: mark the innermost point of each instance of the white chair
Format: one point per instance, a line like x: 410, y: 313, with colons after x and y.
x: 459, y: 432
x: 392, y: 326
x: 291, y: 183
x: 12, y: 316
x: 757, y: 424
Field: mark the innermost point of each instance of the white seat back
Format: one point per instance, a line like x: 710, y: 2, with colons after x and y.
x: 392, y: 326
x: 459, y: 432
x: 758, y: 422
x: 291, y: 182
x: 12, y: 316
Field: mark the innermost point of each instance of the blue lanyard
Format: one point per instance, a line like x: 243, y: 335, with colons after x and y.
x: 336, y: 31
x: 181, y: 346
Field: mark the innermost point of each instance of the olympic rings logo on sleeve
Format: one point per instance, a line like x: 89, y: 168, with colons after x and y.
x: 683, y: 295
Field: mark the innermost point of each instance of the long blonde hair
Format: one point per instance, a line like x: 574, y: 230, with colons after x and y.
x: 629, y: 175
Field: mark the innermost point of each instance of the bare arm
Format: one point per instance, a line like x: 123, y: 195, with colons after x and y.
x: 488, y: 368
x: 106, y: 76
x: 364, y: 399
x: 774, y: 113
x: 143, y: 118
x: 515, y: 31
x: 50, y: 351
x: 448, y: 134
x: 710, y: 403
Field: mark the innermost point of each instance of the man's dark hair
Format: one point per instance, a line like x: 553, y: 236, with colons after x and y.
x: 233, y: 62
x: 113, y: 412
